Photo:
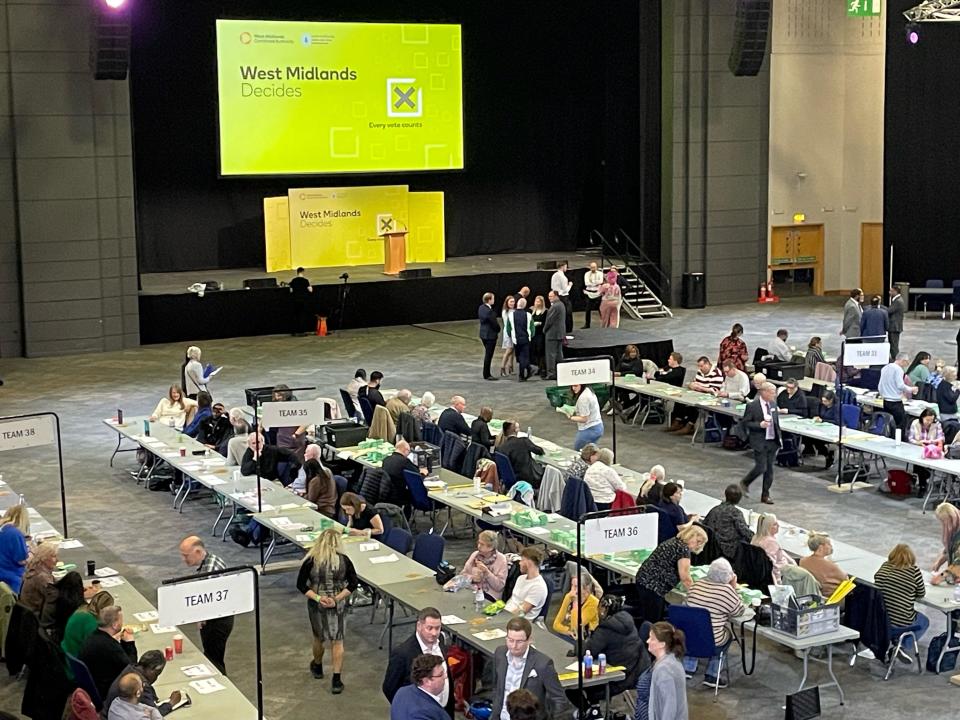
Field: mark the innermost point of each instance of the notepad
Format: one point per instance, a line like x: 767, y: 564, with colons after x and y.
x: 494, y: 634
x: 538, y: 531
x: 159, y: 629
x: 451, y: 620
x: 205, y: 687
x: 112, y: 581
x: 200, y: 670
x: 392, y: 557
x: 146, y: 616
x: 302, y: 538
x: 105, y: 572
x: 368, y: 546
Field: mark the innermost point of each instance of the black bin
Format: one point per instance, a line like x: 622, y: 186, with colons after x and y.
x: 694, y: 290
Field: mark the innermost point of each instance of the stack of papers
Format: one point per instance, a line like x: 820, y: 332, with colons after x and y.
x: 392, y: 557
x: 159, y: 629
x: 199, y: 670
x: 105, y: 572
x: 205, y: 687
x: 112, y: 581
x: 146, y: 616
x: 494, y: 634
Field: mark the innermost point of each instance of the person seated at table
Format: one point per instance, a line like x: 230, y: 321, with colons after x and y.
x: 668, y: 565
x: 813, y: 356
x: 579, y: 600
x: 321, y: 488
x: 616, y: 637
x: 174, y: 409
x: 203, y: 411
x: 425, y: 696
x: 736, y: 384
x: 919, y: 369
x: 371, y: 391
x: 38, y: 576
x: 828, y: 412
x: 925, y: 430
x: 949, y: 558
x: 421, y: 411
x: 827, y: 572
x: 233, y: 445
x: 480, y: 429
x: 109, y: 650
x: 61, y: 600
x: 709, y: 379
x: 727, y: 522
x: 299, y: 484
x: 149, y: 667
x: 485, y: 569
x: 530, y: 591
x: 785, y: 569
x: 756, y: 381
x: 603, y: 480
x: 393, y: 466
x: 83, y: 623
x: 779, y: 350
x: 674, y: 373
x: 947, y: 394
x: 717, y: 594
x: 214, y: 429
x: 270, y: 457
x: 580, y: 464
x: 353, y: 390
x: 361, y: 519
x: 901, y: 584
x: 673, y: 517
x: 399, y: 404
x: 651, y: 486
x: 451, y: 419
x: 518, y: 450
x: 14, y: 533
x: 128, y: 702
x: 733, y: 348
x: 792, y: 400
x: 630, y: 362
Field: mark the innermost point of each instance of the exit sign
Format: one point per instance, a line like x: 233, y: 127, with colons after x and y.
x: 862, y: 8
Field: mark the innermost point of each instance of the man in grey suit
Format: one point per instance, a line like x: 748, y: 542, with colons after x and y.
x: 895, y: 320
x: 520, y: 666
x: 554, y: 328
x: 851, y: 314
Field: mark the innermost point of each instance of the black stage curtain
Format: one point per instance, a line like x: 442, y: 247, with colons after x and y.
x: 921, y: 161
x: 561, y: 128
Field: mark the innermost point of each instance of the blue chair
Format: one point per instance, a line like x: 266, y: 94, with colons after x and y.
x: 350, y: 410
x: 81, y: 673
x: 666, y: 527
x: 341, y: 482
x: 428, y: 550
x: 545, y: 610
x: 367, y: 410
x: 505, y: 470
x: 850, y: 416
x: 934, y: 300
x: 399, y: 539
x: 431, y: 434
x: 387, y: 523
x: 452, y: 449
x: 696, y: 626
x: 419, y: 497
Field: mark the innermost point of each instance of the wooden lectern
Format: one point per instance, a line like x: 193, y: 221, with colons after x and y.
x: 394, y: 252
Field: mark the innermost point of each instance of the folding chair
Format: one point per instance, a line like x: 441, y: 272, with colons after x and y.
x: 696, y: 626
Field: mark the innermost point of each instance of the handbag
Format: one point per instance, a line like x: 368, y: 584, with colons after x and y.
x: 949, y: 661
x: 932, y: 452
x: 953, y: 452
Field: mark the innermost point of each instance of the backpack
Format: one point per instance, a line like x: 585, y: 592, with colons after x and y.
x: 513, y: 572
x: 933, y: 653
x: 900, y: 482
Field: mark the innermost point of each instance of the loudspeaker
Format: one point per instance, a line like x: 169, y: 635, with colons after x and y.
x: 109, y: 41
x: 212, y: 286
x: 259, y: 283
x: 415, y: 273
x: 548, y: 264
x: 749, y: 37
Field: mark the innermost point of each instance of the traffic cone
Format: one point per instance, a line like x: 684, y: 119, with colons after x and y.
x: 321, y: 326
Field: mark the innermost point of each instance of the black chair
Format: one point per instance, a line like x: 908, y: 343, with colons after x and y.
x: 350, y: 410
x: 753, y: 567
x: 934, y: 300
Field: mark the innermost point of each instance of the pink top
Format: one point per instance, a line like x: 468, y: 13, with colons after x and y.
x: 494, y: 580
x: 777, y: 556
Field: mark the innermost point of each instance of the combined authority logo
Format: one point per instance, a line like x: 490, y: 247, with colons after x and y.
x: 246, y: 38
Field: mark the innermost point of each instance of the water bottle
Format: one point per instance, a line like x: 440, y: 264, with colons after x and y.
x: 479, y: 600
x: 602, y: 660
x: 530, y: 431
x: 146, y: 428
x: 956, y: 593
x: 21, y: 500
x: 588, y: 665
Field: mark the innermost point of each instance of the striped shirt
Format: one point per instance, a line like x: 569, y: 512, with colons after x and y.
x: 210, y: 563
x: 900, y: 587
x: 713, y: 379
x: 721, y: 601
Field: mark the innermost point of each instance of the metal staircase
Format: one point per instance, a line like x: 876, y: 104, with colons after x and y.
x: 642, y: 282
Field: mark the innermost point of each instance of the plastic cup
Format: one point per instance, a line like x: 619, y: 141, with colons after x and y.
x: 178, y: 644
x: 168, y: 653
x: 183, y: 452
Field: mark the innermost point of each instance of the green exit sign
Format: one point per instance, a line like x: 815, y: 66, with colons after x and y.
x: 862, y: 8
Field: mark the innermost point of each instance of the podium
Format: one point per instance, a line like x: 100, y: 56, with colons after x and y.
x: 394, y: 252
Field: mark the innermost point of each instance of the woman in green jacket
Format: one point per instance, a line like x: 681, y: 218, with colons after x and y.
x: 83, y: 623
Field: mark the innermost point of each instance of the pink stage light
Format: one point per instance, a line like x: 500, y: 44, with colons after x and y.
x: 115, y: 4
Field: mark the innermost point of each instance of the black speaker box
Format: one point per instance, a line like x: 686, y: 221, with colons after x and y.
x: 259, y: 283
x: 415, y: 273
x: 109, y: 41
x: 548, y: 264
x: 750, y: 37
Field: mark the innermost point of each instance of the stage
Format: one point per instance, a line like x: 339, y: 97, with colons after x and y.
x: 598, y: 341
x: 170, y: 313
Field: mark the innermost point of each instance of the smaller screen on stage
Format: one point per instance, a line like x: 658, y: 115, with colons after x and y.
x: 305, y: 98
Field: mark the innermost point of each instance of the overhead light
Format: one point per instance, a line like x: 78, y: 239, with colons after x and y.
x: 913, y: 33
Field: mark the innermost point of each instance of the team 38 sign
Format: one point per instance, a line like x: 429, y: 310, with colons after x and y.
x: 198, y: 600
x: 27, y: 432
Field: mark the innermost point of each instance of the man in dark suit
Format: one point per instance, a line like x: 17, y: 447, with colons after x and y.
x: 489, y: 329
x: 895, y: 320
x: 874, y: 321
x: 520, y: 666
x: 451, y: 419
x: 518, y: 450
x: 109, y: 650
x: 393, y: 466
x: 554, y: 329
x: 522, y: 334
x: 420, y: 700
x: 426, y: 640
x: 763, y: 427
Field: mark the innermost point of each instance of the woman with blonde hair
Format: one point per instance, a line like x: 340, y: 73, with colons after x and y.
x: 785, y: 569
x: 83, y: 622
x: 195, y: 376
x: 667, y: 566
x: 579, y: 600
x: 486, y: 568
x: 174, y: 409
x: 538, y: 343
x: 38, y: 576
x: 901, y: 585
x: 949, y: 558
x: 14, y: 533
x: 421, y: 412
x: 327, y: 578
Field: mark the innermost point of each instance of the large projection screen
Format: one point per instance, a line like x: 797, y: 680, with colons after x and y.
x: 308, y: 98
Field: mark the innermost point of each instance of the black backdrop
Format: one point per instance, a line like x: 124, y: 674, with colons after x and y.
x: 921, y: 215
x: 562, y: 130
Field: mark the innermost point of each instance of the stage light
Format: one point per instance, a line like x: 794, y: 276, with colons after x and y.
x: 115, y: 4
x: 913, y: 33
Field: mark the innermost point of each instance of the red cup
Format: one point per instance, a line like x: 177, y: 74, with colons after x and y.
x: 178, y: 644
x: 168, y: 653
x: 183, y: 452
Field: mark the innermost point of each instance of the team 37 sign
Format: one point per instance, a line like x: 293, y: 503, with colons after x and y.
x: 27, y: 432
x: 205, y: 599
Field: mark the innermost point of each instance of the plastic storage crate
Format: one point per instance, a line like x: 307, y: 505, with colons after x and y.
x: 808, y: 621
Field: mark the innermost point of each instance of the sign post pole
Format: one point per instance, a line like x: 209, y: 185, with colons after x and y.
x: 23, y: 431
x: 866, y: 351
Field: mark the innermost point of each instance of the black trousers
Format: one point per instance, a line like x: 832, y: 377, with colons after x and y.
x: 213, y: 637
x: 764, y: 459
x: 592, y: 304
x: 489, y: 346
x: 522, y: 350
x: 565, y: 299
x: 895, y: 408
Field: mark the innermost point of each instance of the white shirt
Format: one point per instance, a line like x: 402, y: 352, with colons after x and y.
x: 891, y: 385
x: 512, y: 681
x: 771, y: 432
x: 736, y: 387
x: 603, y: 482
x: 435, y: 650
x: 780, y: 350
x: 592, y: 280
x: 559, y: 284
x: 434, y: 697
x: 530, y: 591
x: 589, y: 407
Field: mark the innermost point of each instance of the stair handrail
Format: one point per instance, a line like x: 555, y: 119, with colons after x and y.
x: 658, y: 279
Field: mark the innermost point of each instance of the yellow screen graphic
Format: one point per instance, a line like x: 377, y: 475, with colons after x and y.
x: 301, y: 98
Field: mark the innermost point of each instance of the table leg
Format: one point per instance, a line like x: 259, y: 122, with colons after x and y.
x: 806, y: 668
x: 223, y: 508
x: 269, y: 551
x: 116, y: 449
x: 830, y: 670
x: 233, y: 516
x: 390, y: 626
x: 700, y: 427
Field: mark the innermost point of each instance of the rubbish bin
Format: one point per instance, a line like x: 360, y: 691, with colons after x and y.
x: 694, y: 293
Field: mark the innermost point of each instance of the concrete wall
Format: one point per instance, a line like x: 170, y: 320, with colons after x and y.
x: 826, y: 121
x: 66, y: 189
x: 726, y: 118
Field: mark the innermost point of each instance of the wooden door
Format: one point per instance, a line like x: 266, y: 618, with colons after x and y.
x: 808, y: 246
x: 871, y: 258
x: 781, y: 242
